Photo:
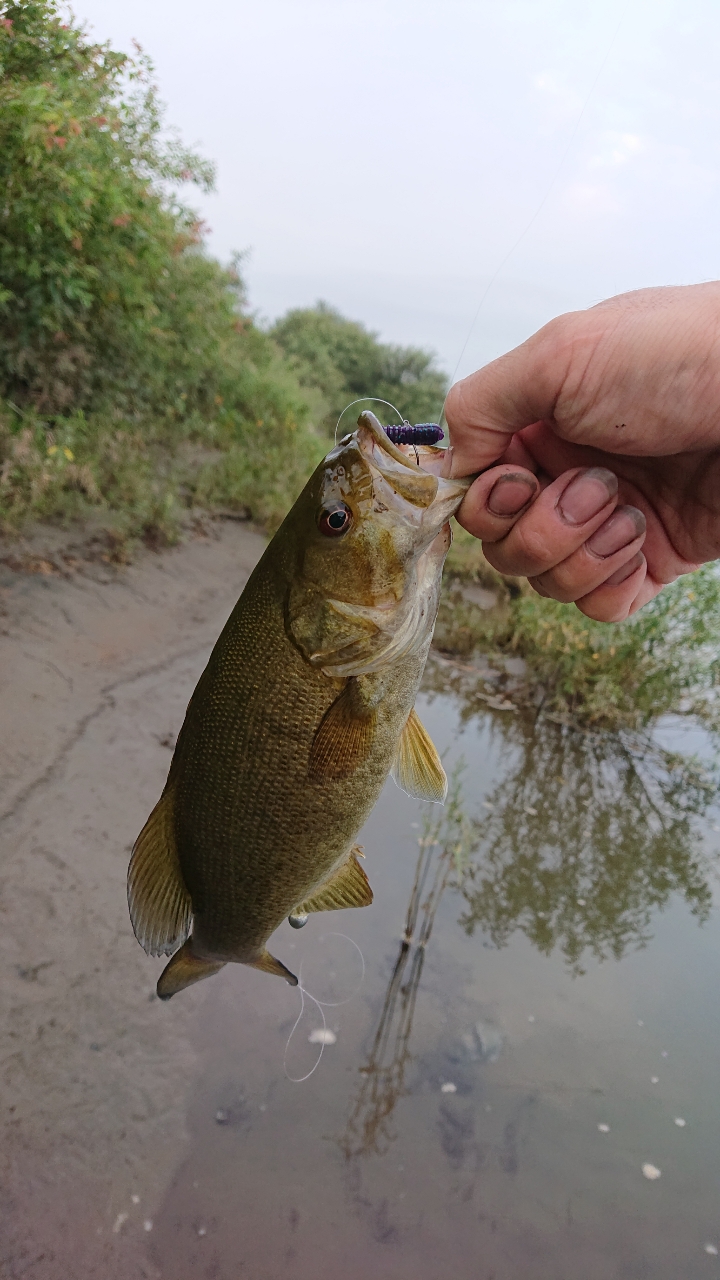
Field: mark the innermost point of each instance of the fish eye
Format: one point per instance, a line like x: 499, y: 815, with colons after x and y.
x: 335, y: 520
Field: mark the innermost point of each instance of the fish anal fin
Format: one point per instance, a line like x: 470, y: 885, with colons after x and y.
x: 184, y: 969
x: 348, y: 887
x: 343, y: 739
x: 268, y: 964
x: 160, y: 905
x: 417, y: 768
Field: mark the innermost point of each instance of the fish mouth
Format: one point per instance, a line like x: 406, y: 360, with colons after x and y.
x: 369, y: 425
x: 416, y: 473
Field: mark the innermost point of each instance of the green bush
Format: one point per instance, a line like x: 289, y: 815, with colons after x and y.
x: 93, y: 245
x: 344, y: 360
x: 662, y: 660
x: 131, y: 377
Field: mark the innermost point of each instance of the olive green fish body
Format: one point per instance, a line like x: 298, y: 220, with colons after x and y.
x: 256, y: 833
x: 305, y: 706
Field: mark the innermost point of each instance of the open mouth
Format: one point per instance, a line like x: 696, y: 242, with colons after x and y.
x: 417, y: 472
x: 403, y: 471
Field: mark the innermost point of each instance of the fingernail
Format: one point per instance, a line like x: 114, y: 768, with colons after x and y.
x: 587, y: 494
x: 624, y: 526
x: 621, y: 574
x: 510, y: 494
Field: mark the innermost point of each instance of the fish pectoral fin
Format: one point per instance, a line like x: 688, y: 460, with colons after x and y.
x: 348, y: 887
x: 417, y: 768
x: 160, y: 905
x: 269, y: 964
x: 184, y: 969
x: 344, y: 737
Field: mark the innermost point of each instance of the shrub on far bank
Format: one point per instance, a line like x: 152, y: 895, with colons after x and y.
x: 664, y: 660
x: 344, y: 361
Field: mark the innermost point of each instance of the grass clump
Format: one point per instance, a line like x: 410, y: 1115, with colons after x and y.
x: 663, y: 660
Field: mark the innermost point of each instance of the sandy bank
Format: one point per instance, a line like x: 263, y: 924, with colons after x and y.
x: 96, y: 667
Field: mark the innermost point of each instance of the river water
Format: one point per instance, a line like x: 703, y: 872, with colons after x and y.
x: 528, y: 1086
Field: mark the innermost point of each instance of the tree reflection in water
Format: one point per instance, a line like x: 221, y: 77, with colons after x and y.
x: 585, y: 837
x: 447, y: 841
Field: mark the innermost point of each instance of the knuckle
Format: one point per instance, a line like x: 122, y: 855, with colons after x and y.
x: 529, y: 551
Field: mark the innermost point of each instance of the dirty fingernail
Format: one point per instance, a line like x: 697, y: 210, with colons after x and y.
x: 587, y: 494
x: 624, y: 526
x: 627, y: 569
x: 510, y: 494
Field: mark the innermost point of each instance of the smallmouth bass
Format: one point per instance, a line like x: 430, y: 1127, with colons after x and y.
x: 304, y: 708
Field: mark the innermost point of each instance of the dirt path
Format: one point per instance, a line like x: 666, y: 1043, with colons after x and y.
x: 95, y: 671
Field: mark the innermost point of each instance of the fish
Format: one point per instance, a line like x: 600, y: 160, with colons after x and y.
x: 305, y: 707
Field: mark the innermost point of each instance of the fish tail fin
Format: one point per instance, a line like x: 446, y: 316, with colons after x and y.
x: 269, y: 964
x: 184, y: 969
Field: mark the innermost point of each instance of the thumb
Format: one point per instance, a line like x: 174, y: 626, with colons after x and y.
x: 485, y: 410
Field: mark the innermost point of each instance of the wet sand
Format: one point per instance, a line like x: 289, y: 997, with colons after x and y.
x: 95, y: 671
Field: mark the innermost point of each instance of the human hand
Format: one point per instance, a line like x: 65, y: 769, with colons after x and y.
x: 606, y: 428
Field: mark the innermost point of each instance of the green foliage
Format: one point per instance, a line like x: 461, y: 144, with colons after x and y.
x: 344, y: 360
x: 663, y: 660
x: 92, y: 245
x: 142, y: 475
x: 133, y: 381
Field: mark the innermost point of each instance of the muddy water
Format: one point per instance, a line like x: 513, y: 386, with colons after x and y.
x: 491, y: 1103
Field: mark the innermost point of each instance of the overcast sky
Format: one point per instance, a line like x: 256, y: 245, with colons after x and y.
x: 387, y: 155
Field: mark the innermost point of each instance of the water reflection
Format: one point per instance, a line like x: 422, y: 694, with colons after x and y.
x: 583, y: 840
x: 447, y: 843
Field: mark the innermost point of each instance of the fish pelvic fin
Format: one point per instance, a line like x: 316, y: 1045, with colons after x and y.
x: 184, y: 969
x: 344, y: 737
x: 347, y: 887
x: 160, y: 905
x: 269, y: 964
x: 417, y: 768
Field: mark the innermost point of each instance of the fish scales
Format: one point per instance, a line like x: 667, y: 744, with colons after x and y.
x: 245, y: 784
x: 296, y: 721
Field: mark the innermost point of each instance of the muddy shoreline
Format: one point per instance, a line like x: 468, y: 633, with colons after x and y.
x: 96, y: 665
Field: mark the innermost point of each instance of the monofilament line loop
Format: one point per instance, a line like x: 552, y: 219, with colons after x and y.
x: 361, y: 400
x: 327, y: 1004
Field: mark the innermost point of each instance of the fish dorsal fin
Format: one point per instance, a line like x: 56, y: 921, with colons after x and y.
x: 347, y: 887
x: 160, y: 906
x: 417, y: 768
x: 343, y: 739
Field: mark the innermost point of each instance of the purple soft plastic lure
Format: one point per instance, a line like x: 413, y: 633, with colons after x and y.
x: 422, y: 433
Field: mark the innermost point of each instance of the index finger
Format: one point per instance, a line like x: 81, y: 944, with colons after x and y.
x: 485, y: 410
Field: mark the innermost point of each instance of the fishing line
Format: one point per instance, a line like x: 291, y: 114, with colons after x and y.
x: 360, y: 399
x: 321, y: 1004
x: 539, y: 209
